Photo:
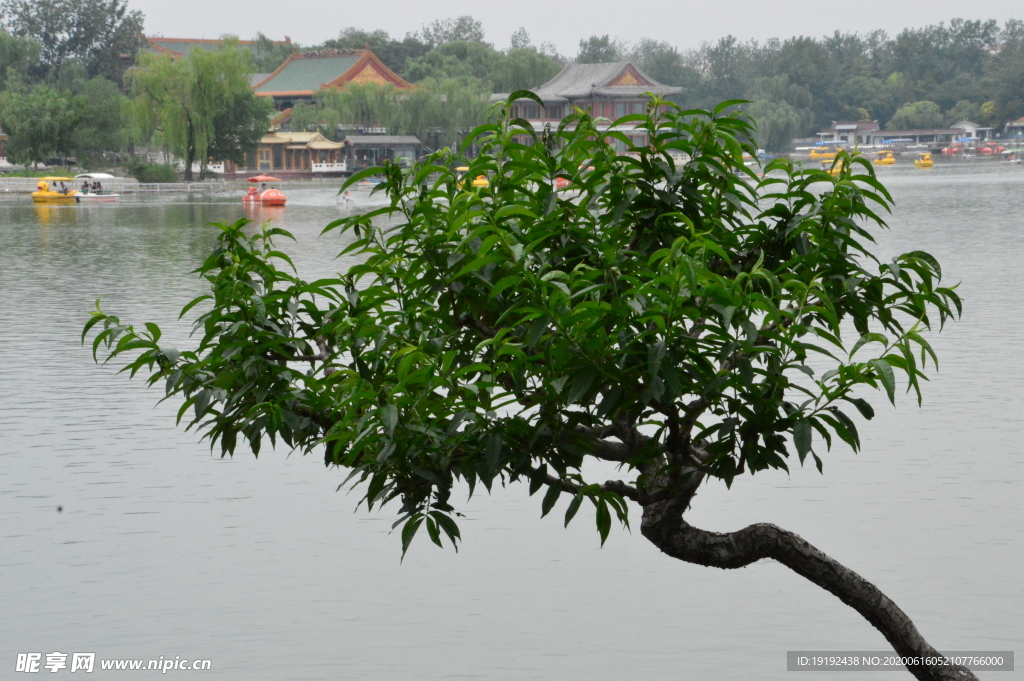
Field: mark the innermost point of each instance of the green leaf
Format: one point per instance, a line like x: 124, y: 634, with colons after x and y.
x: 434, y: 532
x: 360, y: 175
x: 885, y: 375
x: 449, y: 527
x: 574, y: 506
x: 409, y: 531
x: 802, y: 438
x: 603, y: 519
x: 869, y: 338
x: 389, y: 416
x: 865, y: 409
x: 550, y: 498
x: 580, y: 385
x: 513, y: 210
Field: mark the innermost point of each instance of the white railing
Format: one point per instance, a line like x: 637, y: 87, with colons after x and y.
x: 170, y: 187
x: 22, y: 185
x: 330, y: 167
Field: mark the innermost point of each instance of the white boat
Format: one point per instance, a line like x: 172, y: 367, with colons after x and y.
x: 88, y: 195
x: 102, y: 197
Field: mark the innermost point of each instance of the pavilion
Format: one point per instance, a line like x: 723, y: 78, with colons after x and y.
x: 302, y: 75
x: 294, y: 153
x: 302, y: 154
x: 608, y: 90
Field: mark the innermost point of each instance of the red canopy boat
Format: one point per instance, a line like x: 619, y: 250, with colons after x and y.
x: 262, y: 195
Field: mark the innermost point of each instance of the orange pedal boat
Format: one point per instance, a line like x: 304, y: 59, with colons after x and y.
x: 263, y: 195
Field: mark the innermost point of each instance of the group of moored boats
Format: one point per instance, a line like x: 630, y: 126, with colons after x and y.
x: 883, y: 158
x: 55, y: 189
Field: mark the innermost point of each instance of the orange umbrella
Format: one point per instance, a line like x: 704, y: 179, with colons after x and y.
x: 264, y: 178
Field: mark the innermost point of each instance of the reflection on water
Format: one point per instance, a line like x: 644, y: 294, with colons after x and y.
x: 162, y: 549
x: 48, y: 214
x: 260, y: 213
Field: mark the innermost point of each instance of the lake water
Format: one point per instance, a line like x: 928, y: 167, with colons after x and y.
x: 162, y: 549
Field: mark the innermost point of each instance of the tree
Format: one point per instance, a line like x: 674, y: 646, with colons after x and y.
x: 916, y: 116
x: 443, y: 113
x: 394, y: 53
x: 239, y: 126
x: 267, y: 54
x: 185, y: 98
x: 600, y: 49
x: 662, y: 318
x: 777, y: 123
x: 101, y: 128
x: 439, y: 112
x: 102, y: 34
x: 460, y: 29
x: 18, y: 56
x: 807, y: 63
x: 725, y: 68
x: 1005, y: 79
x: 664, y: 63
x: 523, y: 68
x: 781, y: 109
x: 459, y: 59
x: 520, y: 39
x: 871, y: 94
x: 964, y: 110
x: 40, y: 122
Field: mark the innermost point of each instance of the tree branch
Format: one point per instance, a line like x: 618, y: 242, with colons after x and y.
x: 664, y: 526
x: 617, y: 486
x: 322, y: 356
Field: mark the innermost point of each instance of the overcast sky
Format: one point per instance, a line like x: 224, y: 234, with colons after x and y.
x: 684, y: 23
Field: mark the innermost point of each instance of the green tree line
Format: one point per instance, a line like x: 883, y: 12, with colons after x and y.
x: 62, y: 62
x: 920, y: 78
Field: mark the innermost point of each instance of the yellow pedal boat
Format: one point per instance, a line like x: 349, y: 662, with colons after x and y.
x: 47, y: 193
x: 885, y: 158
x: 924, y: 161
x: 822, y: 155
x: 478, y: 181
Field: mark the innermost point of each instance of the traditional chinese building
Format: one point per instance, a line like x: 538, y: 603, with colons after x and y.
x: 301, y: 153
x: 302, y: 75
x: 869, y: 134
x: 304, y: 154
x: 609, y: 90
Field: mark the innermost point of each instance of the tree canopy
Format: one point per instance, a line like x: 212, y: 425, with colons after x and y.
x: 460, y: 29
x: 439, y: 112
x: 199, y: 103
x: 18, y: 56
x: 598, y: 49
x: 102, y: 34
x: 916, y: 116
x: 41, y: 122
x: 687, y: 321
x: 393, y: 52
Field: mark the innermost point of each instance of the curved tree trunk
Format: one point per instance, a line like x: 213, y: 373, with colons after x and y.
x: 664, y: 526
x: 190, y: 152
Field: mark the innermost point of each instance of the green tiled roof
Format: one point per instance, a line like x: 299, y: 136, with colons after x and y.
x: 182, y: 47
x: 308, y: 74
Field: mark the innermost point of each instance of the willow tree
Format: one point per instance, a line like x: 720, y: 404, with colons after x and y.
x: 186, y: 98
x: 439, y: 113
x: 689, y: 322
x: 442, y: 113
x: 41, y: 122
